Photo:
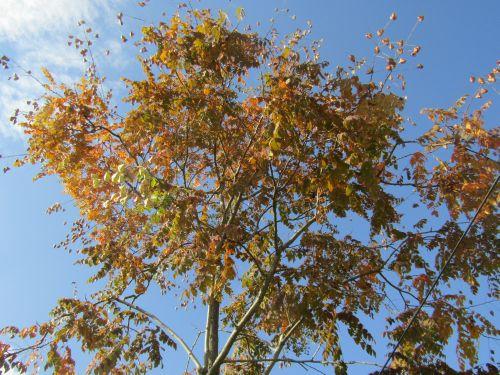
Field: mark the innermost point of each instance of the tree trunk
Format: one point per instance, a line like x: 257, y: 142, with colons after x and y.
x: 212, y: 335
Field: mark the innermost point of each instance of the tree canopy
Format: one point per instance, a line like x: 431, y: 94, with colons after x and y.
x: 231, y: 179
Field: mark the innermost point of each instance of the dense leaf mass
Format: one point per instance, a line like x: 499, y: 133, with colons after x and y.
x: 231, y: 178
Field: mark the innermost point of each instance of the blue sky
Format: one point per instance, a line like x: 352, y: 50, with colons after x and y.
x: 458, y: 39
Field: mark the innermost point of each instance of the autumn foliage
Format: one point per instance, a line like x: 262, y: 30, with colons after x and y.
x: 231, y: 178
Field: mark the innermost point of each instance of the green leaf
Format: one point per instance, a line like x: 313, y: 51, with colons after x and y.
x: 274, y: 144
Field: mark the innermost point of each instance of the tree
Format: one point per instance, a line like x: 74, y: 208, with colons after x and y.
x: 232, y: 177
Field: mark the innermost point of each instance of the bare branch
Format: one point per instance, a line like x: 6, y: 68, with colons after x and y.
x: 298, y: 361
x: 281, y: 344
x: 299, y: 232
x: 165, y: 327
x: 192, y: 348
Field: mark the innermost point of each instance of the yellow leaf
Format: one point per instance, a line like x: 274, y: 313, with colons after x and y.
x: 47, y: 75
x: 348, y: 190
x: 240, y: 13
x: 276, y: 132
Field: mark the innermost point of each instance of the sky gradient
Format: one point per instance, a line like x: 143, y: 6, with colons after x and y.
x: 458, y: 39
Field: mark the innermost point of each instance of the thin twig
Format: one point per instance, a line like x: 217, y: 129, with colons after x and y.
x: 445, y: 266
x: 165, y: 327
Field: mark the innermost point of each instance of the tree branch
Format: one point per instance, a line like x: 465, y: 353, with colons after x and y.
x: 248, y: 315
x: 281, y: 344
x: 165, y: 327
x: 297, y: 360
x: 299, y: 232
x: 258, y: 299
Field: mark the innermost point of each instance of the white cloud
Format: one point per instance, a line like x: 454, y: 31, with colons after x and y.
x: 25, y: 18
x: 33, y: 33
x: 14, y: 95
x: 54, y: 54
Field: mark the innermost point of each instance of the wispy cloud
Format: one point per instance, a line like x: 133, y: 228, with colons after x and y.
x: 34, y: 34
x: 26, y: 18
x: 14, y: 96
